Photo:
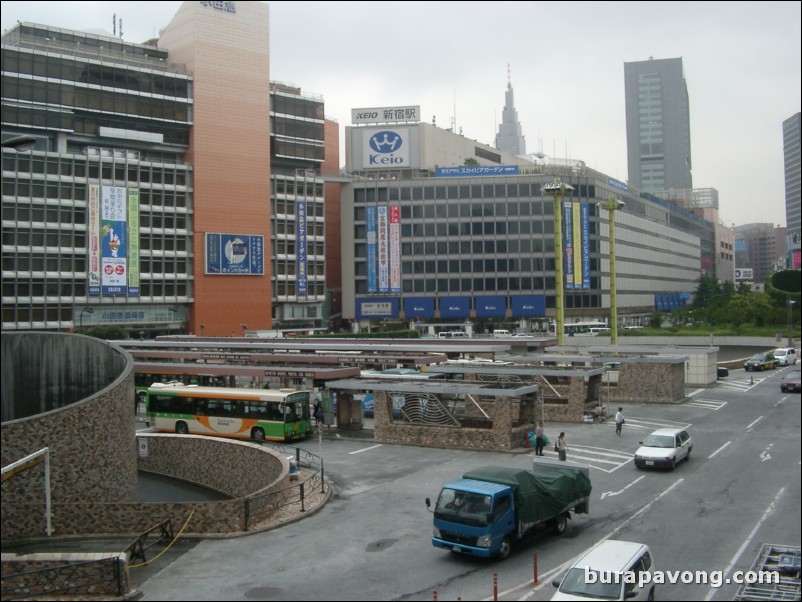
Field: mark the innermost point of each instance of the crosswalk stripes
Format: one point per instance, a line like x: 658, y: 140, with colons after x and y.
x: 708, y: 404
x: 607, y: 460
x: 740, y: 385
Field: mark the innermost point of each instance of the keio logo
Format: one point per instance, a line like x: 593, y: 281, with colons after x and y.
x: 384, y: 144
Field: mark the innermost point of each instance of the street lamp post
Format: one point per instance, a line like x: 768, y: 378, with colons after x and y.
x: 558, y: 190
x: 790, y: 322
x: 612, y: 204
x: 85, y: 310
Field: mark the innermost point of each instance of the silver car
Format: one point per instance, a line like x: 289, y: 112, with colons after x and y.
x: 664, y: 448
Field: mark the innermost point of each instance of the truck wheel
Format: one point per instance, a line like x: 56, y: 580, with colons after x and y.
x: 505, y: 549
x: 560, y: 525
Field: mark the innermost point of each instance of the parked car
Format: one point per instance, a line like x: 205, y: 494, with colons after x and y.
x: 664, y: 448
x: 522, y: 335
x: 722, y: 372
x: 761, y: 361
x: 791, y: 382
x: 606, y: 561
x: 786, y: 356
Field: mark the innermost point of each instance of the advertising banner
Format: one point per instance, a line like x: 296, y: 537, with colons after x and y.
x: 113, y: 244
x: 419, y: 307
x: 386, y: 307
x: 93, y: 233
x: 300, y: 248
x: 568, y: 245
x: 388, y: 148
x: 455, y: 307
x: 493, y: 306
x: 370, y: 230
x: 395, y: 249
x: 383, y: 248
x: 528, y: 306
x: 234, y: 254
x: 133, y: 242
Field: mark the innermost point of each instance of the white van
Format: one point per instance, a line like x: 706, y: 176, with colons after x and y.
x: 453, y: 334
x: 601, y: 573
x: 501, y: 334
x: 786, y: 356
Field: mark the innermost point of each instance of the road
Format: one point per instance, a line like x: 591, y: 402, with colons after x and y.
x: 372, y: 541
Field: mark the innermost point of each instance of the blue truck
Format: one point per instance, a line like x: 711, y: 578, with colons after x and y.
x: 492, y: 509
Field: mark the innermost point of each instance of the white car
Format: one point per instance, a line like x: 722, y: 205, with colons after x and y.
x: 607, y: 572
x: 786, y: 356
x: 664, y: 448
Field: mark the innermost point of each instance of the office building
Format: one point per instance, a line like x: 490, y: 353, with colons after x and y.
x: 658, y: 125
x: 510, y: 138
x: 158, y: 196
x: 759, y: 250
x: 792, y: 159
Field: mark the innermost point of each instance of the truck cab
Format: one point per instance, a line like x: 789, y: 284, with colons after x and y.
x: 473, y: 517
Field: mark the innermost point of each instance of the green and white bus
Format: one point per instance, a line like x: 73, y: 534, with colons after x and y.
x: 260, y: 414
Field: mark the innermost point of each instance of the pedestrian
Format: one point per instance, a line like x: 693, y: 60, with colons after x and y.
x: 619, y: 421
x: 318, y: 412
x: 562, y: 447
x: 540, y: 439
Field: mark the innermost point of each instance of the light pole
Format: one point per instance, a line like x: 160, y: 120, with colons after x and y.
x: 85, y: 310
x: 790, y: 322
x: 612, y: 204
x: 558, y: 190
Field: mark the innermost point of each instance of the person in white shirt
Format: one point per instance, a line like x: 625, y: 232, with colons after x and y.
x: 619, y: 421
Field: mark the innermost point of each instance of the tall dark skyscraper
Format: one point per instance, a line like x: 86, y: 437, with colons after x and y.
x: 658, y: 125
x: 509, y: 137
x: 791, y: 154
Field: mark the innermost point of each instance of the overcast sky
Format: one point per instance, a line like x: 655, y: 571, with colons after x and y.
x: 741, y: 63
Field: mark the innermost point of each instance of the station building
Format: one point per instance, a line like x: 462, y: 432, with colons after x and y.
x: 449, y: 229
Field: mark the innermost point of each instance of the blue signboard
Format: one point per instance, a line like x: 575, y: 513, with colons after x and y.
x: 455, y: 307
x: 419, y: 307
x: 528, y: 306
x: 234, y: 254
x: 377, y: 307
x: 491, y: 306
x: 476, y: 170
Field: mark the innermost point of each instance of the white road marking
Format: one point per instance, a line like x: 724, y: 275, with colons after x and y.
x: 364, y: 449
x: 753, y: 423
x: 715, y: 453
x: 612, y: 493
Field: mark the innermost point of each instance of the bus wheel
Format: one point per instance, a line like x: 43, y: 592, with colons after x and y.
x: 181, y: 428
x: 258, y: 434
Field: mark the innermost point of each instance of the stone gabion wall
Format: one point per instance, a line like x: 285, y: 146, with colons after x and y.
x: 225, y: 465
x: 656, y: 383
x: 90, y: 440
x: 240, y: 469
x: 104, y: 576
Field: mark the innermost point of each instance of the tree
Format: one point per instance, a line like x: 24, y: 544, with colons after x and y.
x: 471, y: 161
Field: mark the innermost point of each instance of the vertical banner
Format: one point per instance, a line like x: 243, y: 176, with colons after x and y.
x: 300, y: 240
x: 93, y: 232
x: 568, y: 244
x: 114, y: 247
x: 395, y: 249
x: 585, y: 245
x: 370, y: 230
x: 384, y: 259
x: 133, y: 242
x: 577, y: 221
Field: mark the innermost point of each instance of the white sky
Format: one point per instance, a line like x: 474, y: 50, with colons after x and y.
x: 741, y: 63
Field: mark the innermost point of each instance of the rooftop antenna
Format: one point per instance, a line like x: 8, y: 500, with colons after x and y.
x: 114, y: 24
x: 121, y: 28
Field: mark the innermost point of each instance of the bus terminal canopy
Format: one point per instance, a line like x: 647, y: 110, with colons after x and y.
x: 519, y: 370
x: 436, y: 387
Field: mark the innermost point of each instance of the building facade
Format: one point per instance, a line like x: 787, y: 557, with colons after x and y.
x: 759, y: 251
x: 158, y: 196
x: 112, y: 123
x: 658, y: 125
x: 477, y: 244
x: 718, y: 258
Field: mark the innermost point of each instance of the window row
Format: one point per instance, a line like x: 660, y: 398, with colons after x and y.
x: 288, y: 268
x: 287, y: 207
x: 288, y: 228
x: 65, y: 288
x: 462, y: 192
x: 287, y: 289
x: 107, y: 100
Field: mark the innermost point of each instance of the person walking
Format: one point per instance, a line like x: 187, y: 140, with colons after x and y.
x: 540, y: 439
x: 562, y: 447
x: 619, y: 421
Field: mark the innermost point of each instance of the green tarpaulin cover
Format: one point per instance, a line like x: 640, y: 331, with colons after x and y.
x: 538, y: 496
